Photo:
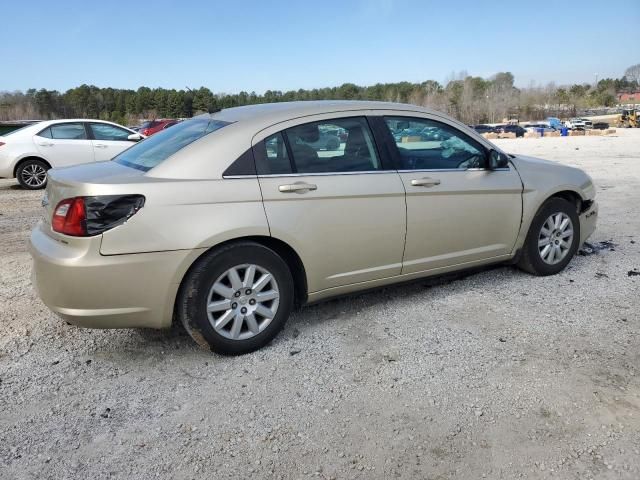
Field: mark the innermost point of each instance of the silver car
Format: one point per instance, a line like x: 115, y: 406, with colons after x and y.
x: 227, y: 221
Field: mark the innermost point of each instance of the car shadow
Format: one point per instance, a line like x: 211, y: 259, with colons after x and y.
x: 180, y: 344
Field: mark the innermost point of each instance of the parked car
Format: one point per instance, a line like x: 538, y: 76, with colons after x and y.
x: 579, y: 124
x: 517, y: 129
x: 154, y: 126
x: 206, y: 224
x: 483, y: 128
x: 27, y: 154
x: 537, y: 127
x: 601, y: 126
x: 575, y: 124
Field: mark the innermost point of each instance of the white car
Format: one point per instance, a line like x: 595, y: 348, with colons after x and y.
x: 579, y: 124
x: 27, y: 153
x: 536, y: 127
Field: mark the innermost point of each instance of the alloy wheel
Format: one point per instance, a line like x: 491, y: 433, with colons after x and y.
x: 34, y: 175
x: 555, y: 238
x: 243, y: 301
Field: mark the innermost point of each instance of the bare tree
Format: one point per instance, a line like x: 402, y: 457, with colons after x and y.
x: 633, y: 73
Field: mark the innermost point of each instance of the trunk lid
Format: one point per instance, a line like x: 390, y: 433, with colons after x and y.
x: 86, y: 180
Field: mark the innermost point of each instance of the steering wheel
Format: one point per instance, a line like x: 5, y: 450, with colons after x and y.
x: 469, y: 162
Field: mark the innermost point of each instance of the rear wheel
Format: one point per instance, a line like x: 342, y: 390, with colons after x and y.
x: 236, y: 299
x: 553, y: 238
x: 32, y: 174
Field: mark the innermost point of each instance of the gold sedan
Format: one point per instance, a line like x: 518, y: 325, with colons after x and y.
x: 228, y: 220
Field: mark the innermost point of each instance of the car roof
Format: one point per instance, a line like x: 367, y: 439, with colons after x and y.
x: 271, y: 113
x: 212, y: 152
x: 47, y: 123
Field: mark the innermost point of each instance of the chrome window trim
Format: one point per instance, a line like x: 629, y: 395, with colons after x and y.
x: 366, y: 172
x: 315, y: 174
x: 501, y: 169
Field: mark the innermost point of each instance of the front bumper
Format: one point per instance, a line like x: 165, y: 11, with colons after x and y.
x: 115, y: 291
x: 588, y: 220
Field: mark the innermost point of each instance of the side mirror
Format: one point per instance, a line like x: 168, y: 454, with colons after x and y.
x: 134, y: 137
x: 497, y: 160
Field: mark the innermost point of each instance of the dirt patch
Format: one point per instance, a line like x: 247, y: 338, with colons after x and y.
x: 497, y: 375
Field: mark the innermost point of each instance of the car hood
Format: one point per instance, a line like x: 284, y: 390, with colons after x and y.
x: 545, y: 175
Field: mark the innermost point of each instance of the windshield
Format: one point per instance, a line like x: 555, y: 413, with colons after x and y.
x: 156, y: 149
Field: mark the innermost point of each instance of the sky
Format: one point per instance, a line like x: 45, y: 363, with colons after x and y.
x: 234, y: 45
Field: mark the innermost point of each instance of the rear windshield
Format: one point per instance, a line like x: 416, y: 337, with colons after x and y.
x: 6, y: 130
x: 156, y: 149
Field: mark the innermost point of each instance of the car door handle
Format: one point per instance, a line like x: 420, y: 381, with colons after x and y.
x: 46, y: 144
x: 425, y: 182
x: 300, y: 187
x: 100, y: 145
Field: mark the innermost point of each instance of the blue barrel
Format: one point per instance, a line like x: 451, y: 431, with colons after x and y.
x: 564, y: 131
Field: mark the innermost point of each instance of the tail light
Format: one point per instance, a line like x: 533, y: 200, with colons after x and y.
x: 88, y: 216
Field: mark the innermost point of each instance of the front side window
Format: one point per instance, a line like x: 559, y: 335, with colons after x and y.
x: 68, y: 131
x: 340, y: 145
x: 429, y: 145
x: 104, y: 131
x: 154, y: 150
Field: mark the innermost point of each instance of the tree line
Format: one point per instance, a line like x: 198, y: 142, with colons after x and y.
x: 468, y: 98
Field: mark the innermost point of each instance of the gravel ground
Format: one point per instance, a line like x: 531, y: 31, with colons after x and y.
x: 495, y: 375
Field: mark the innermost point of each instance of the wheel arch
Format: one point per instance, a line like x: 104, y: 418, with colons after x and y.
x: 570, y: 196
x: 283, y: 249
x: 533, y: 202
x: 24, y: 159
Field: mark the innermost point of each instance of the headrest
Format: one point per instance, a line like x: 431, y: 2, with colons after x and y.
x: 308, y: 133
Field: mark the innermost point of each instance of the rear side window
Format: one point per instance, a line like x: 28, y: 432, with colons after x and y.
x: 331, y: 146
x: 340, y: 145
x: 104, y: 131
x: 154, y: 150
x: 67, y: 131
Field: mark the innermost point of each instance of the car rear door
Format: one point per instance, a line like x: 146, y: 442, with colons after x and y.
x: 64, y: 144
x: 339, y: 204
x: 108, y: 140
x: 458, y: 211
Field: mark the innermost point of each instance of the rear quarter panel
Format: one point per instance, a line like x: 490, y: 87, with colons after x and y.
x: 181, y: 215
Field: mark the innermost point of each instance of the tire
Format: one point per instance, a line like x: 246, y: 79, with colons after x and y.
x: 32, y: 174
x: 211, y: 275
x: 533, y: 252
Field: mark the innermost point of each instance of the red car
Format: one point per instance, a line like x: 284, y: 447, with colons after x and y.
x: 154, y: 126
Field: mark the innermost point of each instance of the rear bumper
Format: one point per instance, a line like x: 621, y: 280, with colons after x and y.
x: 96, y: 291
x: 6, y: 167
x: 588, y: 220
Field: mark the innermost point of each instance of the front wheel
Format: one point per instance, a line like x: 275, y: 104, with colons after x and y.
x: 32, y: 174
x: 553, y: 238
x: 236, y: 299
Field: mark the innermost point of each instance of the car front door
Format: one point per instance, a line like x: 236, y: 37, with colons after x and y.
x: 458, y: 211
x: 108, y: 140
x: 333, y: 198
x: 64, y: 144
